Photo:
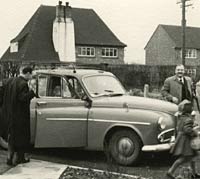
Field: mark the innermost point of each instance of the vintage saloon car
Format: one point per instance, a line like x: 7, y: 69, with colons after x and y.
x: 90, y: 109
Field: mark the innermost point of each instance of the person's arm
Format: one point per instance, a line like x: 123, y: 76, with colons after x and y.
x: 188, y: 128
x: 165, y: 91
x: 192, y: 87
x: 1, y: 95
x: 24, y: 94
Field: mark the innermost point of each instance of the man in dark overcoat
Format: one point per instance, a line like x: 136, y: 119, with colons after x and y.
x: 16, y: 113
x: 178, y: 87
x: 6, y: 93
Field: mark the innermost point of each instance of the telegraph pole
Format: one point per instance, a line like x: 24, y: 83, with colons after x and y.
x: 183, y: 27
x: 183, y: 24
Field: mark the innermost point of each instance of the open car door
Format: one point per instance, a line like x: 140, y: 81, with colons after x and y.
x: 61, y: 117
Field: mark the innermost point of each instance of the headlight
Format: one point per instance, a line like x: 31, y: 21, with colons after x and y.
x: 193, y: 113
x: 161, y: 123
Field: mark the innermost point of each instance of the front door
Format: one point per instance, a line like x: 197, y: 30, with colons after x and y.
x: 61, y: 116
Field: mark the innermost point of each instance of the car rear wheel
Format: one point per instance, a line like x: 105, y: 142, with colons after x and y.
x: 125, y: 147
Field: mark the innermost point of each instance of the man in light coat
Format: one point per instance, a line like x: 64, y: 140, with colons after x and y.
x: 178, y: 87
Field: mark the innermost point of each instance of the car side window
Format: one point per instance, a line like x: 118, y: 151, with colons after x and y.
x: 55, y: 86
x: 66, y: 91
x: 72, y: 88
x: 42, y: 85
x: 59, y: 86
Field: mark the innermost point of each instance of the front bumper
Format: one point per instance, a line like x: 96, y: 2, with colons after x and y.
x: 167, y: 140
x: 157, y: 147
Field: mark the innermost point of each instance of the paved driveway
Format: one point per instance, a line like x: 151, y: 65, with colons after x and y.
x: 35, y: 169
x: 3, y: 166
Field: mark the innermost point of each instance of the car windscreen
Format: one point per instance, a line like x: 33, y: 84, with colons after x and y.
x: 103, y: 85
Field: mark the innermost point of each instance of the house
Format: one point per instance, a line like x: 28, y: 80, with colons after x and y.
x: 65, y: 34
x: 164, y: 46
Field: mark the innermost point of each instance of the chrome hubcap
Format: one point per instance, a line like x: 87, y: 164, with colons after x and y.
x: 125, y: 147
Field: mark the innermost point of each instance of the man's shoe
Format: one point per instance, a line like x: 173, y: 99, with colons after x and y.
x: 196, y: 175
x: 23, y: 161
x: 9, y: 162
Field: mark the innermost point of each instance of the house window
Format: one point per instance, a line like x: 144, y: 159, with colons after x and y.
x: 14, y: 47
x: 109, y: 52
x: 191, y: 72
x: 86, y: 51
x: 190, y: 53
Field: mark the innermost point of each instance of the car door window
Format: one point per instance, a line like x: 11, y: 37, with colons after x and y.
x: 57, y: 86
x: 42, y: 85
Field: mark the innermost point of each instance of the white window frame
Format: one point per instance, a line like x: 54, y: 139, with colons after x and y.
x: 190, y: 53
x: 108, y: 52
x: 86, y: 52
x: 14, y: 47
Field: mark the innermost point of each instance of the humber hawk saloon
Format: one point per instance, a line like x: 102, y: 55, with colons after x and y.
x: 90, y: 109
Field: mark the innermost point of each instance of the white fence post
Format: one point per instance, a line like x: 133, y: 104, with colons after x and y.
x: 146, y: 90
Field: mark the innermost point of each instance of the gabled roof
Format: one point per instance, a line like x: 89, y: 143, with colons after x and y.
x: 35, y: 39
x: 192, y: 35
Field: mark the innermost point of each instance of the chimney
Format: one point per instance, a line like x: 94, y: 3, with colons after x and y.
x: 68, y: 11
x: 70, y: 35
x: 60, y: 12
x: 63, y: 33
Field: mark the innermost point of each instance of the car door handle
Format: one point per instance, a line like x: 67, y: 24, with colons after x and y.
x: 39, y: 103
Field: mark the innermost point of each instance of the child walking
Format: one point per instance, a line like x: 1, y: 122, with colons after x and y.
x: 185, y: 132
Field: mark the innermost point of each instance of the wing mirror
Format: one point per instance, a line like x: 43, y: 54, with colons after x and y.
x: 88, y: 101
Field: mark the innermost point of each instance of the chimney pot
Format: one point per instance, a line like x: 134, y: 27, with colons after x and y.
x: 67, y: 4
x: 60, y: 3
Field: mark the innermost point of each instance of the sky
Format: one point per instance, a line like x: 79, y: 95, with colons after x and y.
x: 132, y: 21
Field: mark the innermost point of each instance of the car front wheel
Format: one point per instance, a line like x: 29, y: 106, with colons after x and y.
x: 125, y: 147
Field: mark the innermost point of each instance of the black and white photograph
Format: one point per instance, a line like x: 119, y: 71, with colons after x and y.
x: 100, y: 89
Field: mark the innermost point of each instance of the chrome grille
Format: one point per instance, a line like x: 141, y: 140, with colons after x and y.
x: 166, y: 135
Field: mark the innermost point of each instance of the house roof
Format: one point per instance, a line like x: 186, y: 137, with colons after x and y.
x: 192, y: 35
x: 35, y: 39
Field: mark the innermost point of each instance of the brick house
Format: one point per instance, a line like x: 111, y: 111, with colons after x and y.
x: 65, y: 34
x: 164, y: 46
